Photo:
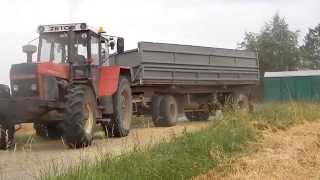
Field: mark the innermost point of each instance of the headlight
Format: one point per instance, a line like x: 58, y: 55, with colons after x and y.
x: 15, y: 87
x: 33, y: 87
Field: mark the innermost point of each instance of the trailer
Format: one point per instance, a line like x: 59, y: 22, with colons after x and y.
x: 173, y: 79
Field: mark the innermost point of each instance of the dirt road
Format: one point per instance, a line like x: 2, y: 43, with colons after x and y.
x: 292, y: 154
x: 30, y: 158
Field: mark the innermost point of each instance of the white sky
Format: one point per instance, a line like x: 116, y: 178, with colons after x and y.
x: 217, y: 23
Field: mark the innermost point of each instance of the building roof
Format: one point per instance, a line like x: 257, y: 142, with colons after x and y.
x: 292, y: 73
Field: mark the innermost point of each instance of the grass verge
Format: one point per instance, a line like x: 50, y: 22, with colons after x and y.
x: 282, y: 116
x: 183, y: 157
x: 195, y: 153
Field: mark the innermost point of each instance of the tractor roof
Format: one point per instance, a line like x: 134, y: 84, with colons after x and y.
x: 64, y: 28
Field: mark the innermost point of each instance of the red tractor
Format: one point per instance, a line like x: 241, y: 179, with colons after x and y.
x: 69, y: 89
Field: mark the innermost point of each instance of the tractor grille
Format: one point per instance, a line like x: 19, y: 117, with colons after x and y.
x: 24, y: 88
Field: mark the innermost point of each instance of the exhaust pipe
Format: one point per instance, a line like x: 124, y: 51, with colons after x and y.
x: 29, y: 50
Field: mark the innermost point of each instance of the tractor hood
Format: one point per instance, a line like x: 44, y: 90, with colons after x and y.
x: 37, y: 80
x: 32, y: 70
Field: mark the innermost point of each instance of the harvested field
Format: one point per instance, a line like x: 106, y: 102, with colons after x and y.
x: 291, y: 154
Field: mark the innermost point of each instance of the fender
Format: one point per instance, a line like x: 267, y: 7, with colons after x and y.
x: 109, y: 78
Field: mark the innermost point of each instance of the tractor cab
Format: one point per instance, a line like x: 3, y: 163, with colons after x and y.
x: 66, y: 52
x: 74, y: 43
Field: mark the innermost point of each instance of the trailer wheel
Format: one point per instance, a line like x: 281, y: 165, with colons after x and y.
x: 190, y: 116
x: 156, y: 100
x: 80, y: 117
x: 197, y: 115
x: 242, y: 102
x: 7, y: 139
x: 122, y: 102
x: 168, y: 112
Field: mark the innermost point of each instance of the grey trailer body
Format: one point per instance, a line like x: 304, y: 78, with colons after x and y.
x: 192, y: 79
x: 158, y: 63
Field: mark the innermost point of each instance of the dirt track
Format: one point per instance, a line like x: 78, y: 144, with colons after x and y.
x: 292, y: 154
x: 29, y: 159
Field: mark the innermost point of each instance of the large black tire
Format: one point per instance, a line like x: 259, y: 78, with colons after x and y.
x: 242, y: 102
x: 54, y: 131
x: 156, y: 100
x: 7, y: 139
x: 41, y: 129
x: 51, y: 131
x: 168, y: 113
x: 4, y: 91
x: 197, y: 116
x: 122, y: 105
x: 80, y: 117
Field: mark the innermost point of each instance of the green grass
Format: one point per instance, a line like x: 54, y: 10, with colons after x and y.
x: 141, y: 121
x: 282, y: 116
x: 195, y: 153
x: 182, y: 158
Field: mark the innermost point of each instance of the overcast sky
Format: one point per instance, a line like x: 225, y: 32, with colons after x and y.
x: 217, y: 23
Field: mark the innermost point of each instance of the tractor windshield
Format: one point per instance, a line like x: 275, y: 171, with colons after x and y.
x: 53, y: 47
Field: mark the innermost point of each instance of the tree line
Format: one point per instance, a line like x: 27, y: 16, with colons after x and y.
x: 278, y: 47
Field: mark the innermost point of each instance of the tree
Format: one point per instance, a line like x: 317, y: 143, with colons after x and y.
x: 311, y: 48
x: 277, y: 46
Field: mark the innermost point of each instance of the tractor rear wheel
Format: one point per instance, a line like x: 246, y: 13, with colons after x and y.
x: 80, y: 117
x: 122, y: 103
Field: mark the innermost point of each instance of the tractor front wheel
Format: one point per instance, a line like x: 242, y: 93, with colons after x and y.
x: 41, y: 129
x: 80, y: 117
x: 7, y: 139
x: 51, y: 131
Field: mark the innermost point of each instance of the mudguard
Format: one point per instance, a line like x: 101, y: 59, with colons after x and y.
x: 109, y: 78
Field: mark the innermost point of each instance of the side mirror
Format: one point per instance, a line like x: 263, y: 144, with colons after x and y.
x: 112, y: 44
x: 120, y: 45
x: 29, y: 50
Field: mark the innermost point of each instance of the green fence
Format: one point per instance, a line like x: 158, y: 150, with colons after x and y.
x: 303, y: 88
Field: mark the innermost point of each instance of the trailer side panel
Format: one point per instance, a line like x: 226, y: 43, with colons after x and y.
x: 159, y: 63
